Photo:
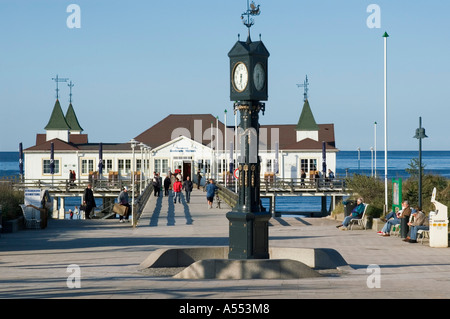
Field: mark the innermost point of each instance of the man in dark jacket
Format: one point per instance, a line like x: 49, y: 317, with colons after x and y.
x: 156, y: 186
x: 188, y: 186
x: 88, y: 201
x: 167, y: 184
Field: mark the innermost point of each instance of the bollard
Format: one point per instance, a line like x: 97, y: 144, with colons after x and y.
x: 404, y: 228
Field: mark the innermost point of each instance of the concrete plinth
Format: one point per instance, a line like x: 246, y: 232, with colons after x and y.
x: 247, y: 269
x: 212, y: 263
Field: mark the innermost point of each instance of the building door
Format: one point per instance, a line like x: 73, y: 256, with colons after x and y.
x: 187, y: 170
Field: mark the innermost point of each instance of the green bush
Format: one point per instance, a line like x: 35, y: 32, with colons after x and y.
x: 429, y: 182
x: 10, y: 201
x: 369, y: 188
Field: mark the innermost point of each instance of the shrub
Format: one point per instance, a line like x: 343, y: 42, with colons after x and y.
x: 369, y: 188
x: 10, y: 201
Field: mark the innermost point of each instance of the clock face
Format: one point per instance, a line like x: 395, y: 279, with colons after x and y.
x: 240, y: 77
x: 259, y: 77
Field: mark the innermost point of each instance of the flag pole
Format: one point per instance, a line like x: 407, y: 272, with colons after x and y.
x: 385, y: 36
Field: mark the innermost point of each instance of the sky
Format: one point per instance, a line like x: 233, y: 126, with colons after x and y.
x: 135, y: 62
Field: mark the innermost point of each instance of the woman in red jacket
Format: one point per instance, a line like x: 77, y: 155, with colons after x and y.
x: 177, y: 186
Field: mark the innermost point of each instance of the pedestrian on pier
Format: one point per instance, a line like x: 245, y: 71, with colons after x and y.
x: 210, y: 192
x: 89, y: 201
x: 177, y: 186
x: 188, y: 186
x: 156, y: 186
x: 123, y: 200
x: 167, y: 183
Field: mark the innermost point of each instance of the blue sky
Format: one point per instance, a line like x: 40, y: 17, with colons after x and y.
x: 135, y: 62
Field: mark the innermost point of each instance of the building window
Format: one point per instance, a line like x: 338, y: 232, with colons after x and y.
x: 46, y: 167
x: 124, y: 166
x: 161, y: 166
x: 138, y: 165
x: 309, y: 165
x: 87, y: 166
x: 107, y: 165
x: 269, y: 165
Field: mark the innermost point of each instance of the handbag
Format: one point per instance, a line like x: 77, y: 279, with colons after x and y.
x: 120, y: 209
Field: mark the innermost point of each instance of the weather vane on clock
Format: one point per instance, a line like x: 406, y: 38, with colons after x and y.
x: 252, y: 10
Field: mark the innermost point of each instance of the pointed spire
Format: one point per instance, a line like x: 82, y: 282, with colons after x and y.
x: 72, y: 120
x: 57, y: 120
x: 307, y: 121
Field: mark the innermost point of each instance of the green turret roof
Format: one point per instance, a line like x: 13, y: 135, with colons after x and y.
x: 57, y: 120
x: 72, y: 119
x: 307, y: 121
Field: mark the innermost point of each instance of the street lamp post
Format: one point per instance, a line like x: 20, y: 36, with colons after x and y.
x: 359, y: 158
x: 385, y: 36
x: 420, y: 134
x: 133, y: 168
x: 371, y: 156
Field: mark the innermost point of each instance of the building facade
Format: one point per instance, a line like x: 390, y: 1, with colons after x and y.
x: 189, y: 142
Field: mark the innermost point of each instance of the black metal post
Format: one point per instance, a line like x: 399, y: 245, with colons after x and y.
x: 248, y: 221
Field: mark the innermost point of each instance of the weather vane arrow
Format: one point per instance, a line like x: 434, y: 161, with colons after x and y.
x: 252, y: 10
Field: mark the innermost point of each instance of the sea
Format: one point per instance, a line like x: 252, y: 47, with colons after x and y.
x: 347, y: 163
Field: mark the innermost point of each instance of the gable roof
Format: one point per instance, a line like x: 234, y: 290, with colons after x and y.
x: 307, y: 121
x: 72, y: 119
x: 287, y: 138
x: 192, y: 126
x: 57, y: 120
x: 59, y: 145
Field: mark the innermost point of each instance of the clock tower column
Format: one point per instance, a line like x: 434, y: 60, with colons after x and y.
x: 248, y: 221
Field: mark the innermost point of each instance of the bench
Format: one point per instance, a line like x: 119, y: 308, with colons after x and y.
x: 360, y: 221
x: 422, y: 233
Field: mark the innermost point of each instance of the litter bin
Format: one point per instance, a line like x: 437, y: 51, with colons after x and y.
x: 348, y: 207
x: 438, y: 224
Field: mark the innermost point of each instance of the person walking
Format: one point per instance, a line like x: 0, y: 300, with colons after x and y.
x: 188, y: 186
x: 124, y: 201
x: 89, y: 201
x: 210, y: 192
x: 167, y: 183
x: 177, y: 186
x: 199, y: 179
x: 156, y: 186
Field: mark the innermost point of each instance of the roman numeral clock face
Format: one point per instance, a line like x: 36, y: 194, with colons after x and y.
x: 240, y: 77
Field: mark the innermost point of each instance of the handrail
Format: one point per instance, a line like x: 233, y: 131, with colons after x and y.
x: 140, y: 203
x: 228, y: 196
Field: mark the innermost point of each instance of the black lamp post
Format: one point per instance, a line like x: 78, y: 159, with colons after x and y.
x: 420, y: 134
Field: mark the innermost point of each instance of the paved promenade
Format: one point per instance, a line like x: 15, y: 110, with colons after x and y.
x: 34, y: 263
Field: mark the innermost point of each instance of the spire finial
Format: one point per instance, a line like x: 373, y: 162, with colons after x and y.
x: 305, y: 86
x: 57, y: 80
x: 70, y: 85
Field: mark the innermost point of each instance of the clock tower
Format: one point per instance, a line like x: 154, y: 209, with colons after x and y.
x: 248, y: 221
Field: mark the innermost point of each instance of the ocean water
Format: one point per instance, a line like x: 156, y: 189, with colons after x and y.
x: 347, y: 162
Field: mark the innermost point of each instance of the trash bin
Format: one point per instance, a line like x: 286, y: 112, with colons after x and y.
x: 438, y: 230
x: 348, y: 207
x: 438, y: 224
